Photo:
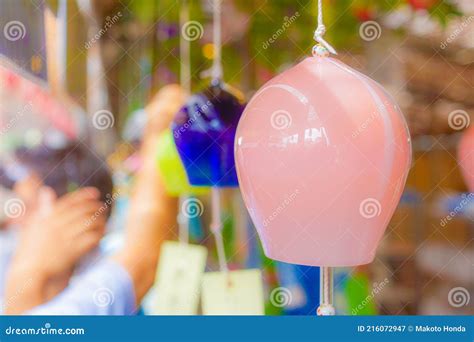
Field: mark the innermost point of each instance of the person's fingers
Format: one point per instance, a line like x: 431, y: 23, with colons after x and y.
x: 80, y: 214
x: 96, y: 224
x: 93, y: 223
x: 163, y: 107
x: 46, y: 199
x: 86, y: 243
x: 172, y: 92
x: 75, y: 198
x: 27, y: 188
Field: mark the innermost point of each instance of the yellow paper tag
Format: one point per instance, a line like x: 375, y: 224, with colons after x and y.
x: 233, y: 293
x: 178, y: 279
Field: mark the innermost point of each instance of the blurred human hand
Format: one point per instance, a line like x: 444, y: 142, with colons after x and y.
x: 162, y: 108
x: 61, y: 231
x: 51, y: 242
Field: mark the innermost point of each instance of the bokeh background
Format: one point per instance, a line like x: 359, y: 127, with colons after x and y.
x: 422, y: 51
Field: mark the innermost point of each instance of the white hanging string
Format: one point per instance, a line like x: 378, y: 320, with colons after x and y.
x: 183, y: 220
x: 62, y: 43
x: 185, y: 80
x: 321, y: 30
x: 216, y: 228
x: 185, y: 49
x: 217, y: 70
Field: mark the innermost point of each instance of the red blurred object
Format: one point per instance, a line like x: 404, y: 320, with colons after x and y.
x: 364, y: 13
x: 422, y: 4
x: 32, y: 91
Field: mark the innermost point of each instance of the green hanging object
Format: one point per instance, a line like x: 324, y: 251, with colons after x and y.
x: 171, y: 168
x: 360, y: 300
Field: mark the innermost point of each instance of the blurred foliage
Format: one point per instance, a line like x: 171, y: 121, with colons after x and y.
x: 277, y: 33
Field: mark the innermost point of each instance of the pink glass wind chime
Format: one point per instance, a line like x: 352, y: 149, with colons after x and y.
x: 322, y: 155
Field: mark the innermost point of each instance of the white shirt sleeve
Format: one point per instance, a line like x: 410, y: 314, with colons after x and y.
x: 104, y: 289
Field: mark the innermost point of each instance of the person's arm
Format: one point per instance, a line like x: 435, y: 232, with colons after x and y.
x: 152, y: 217
x: 130, y: 273
x: 51, y: 242
x: 104, y: 289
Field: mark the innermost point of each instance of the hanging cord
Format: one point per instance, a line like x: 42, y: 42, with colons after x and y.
x: 62, y: 43
x: 321, y: 30
x: 185, y: 80
x: 183, y: 220
x: 326, y: 292
x: 216, y: 228
x: 185, y: 49
x: 217, y: 70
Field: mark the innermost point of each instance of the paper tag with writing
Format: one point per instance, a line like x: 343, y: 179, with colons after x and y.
x: 233, y: 293
x: 178, y: 279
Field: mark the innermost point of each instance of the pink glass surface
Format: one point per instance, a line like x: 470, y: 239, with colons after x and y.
x: 322, y: 155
